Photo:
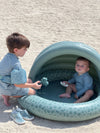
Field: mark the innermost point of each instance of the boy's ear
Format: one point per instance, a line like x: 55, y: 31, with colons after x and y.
x: 15, y: 50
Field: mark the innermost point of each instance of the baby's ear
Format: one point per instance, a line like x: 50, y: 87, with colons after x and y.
x: 88, y: 69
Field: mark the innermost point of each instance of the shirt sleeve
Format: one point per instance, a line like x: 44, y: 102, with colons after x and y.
x: 88, y: 84
x: 72, y: 80
x: 5, y: 66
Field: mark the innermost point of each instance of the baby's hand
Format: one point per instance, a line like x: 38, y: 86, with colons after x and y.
x: 64, y: 83
x: 76, y: 96
x: 36, y: 85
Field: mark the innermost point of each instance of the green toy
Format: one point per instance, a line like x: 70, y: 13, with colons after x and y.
x: 44, y: 81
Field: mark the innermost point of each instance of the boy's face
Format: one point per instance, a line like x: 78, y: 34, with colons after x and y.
x: 20, y: 52
x: 81, y: 67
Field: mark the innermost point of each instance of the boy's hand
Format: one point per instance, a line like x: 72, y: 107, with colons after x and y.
x: 36, y: 85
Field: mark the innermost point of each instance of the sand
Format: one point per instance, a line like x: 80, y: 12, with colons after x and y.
x: 45, y: 22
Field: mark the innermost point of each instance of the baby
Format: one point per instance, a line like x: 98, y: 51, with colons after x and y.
x: 81, y: 83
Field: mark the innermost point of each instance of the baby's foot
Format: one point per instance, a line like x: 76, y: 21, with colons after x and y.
x: 77, y: 101
x: 64, y: 95
x: 6, y: 100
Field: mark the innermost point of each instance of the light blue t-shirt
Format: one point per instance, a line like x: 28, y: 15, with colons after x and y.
x: 82, y: 83
x: 8, y: 63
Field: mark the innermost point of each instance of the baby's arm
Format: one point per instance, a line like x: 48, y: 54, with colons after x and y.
x: 72, y: 80
x: 66, y: 82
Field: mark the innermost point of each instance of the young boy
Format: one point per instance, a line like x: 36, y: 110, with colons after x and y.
x: 17, y: 45
x: 81, y: 83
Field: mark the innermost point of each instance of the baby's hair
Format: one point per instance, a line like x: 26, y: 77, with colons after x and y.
x: 17, y: 40
x: 83, y: 59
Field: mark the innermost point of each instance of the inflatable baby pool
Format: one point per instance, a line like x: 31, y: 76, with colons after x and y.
x: 56, y: 62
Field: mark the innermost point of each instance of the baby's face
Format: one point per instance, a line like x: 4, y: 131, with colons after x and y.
x: 81, y: 67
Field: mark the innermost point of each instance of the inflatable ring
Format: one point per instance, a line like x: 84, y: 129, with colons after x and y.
x: 52, y: 62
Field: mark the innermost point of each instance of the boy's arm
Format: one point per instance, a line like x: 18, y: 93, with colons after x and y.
x: 29, y: 85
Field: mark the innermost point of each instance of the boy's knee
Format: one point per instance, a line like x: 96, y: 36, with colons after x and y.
x: 31, y: 91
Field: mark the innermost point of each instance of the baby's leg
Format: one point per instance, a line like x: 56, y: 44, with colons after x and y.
x: 73, y: 87
x: 86, y: 96
x: 64, y: 95
x: 67, y: 94
x: 6, y: 100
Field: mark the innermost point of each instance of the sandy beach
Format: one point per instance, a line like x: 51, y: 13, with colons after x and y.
x: 45, y: 22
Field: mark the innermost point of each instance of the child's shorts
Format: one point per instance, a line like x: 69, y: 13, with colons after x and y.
x: 11, y: 90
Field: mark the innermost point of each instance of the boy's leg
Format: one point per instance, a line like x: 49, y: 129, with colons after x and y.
x: 31, y: 91
x: 16, y: 96
x: 86, y: 97
x: 6, y: 100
